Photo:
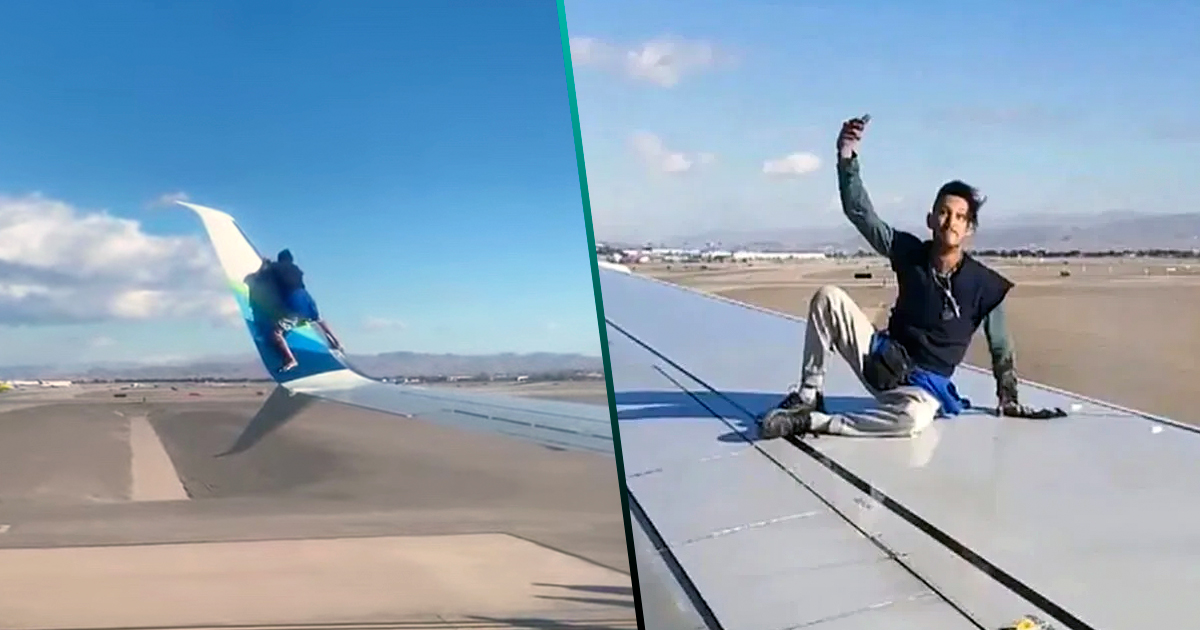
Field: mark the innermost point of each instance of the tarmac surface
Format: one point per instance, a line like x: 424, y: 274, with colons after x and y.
x: 189, y: 509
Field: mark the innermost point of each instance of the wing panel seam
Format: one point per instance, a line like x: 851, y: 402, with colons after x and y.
x: 673, y: 565
x: 888, y: 552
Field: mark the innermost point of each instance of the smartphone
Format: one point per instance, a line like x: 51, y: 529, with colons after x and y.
x: 865, y: 118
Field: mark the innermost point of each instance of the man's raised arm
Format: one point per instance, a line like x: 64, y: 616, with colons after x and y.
x: 856, y: 203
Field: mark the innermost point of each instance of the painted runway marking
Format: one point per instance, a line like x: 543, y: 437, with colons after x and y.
x: 154, y: 476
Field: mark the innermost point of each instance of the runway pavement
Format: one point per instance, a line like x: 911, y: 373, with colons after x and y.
x: 188, y: 510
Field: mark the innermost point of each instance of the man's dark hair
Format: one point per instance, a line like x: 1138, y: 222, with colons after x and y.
x: 959, y: 188
x: 285, y: 256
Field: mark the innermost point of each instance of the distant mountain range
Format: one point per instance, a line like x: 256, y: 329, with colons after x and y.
x: 1086, y: 232
x: 412, y: 364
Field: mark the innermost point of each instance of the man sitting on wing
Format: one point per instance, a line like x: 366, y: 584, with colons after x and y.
x: 945, y: 295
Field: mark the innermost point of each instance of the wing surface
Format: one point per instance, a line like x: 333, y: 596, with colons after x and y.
x: 327, y: 374
x: 975, y: 523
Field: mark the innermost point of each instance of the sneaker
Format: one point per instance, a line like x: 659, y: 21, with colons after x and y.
x: 793, y: 402
x: 785, y: 421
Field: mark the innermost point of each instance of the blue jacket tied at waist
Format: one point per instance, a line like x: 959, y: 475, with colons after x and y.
x: 938, y: 386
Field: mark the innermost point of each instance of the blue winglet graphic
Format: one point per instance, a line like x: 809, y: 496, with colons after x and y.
x: 260, y: 304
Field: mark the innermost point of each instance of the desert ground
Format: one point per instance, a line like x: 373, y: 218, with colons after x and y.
x: 1117, y: 329
x: 132, y: 508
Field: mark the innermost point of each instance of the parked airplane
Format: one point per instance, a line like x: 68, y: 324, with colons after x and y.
x: 326, y: 374
x: 39, y: 383
x: 1084, y: 522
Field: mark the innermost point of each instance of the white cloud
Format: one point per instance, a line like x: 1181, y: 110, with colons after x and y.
x: 664, y: 61
x: 650, y: 148
x: 589, y: 51
x: 382, y: 323
x: 792, y: 165
x: 168, y: 200
x: 61, y: 265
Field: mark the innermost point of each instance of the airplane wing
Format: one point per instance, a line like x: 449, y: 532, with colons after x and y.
x: 1084, y: 522
x: 326, y: 374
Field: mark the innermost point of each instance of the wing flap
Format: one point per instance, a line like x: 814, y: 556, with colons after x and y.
x: 762, y: 550
x: 550, y: 423
x: 1005, y: 517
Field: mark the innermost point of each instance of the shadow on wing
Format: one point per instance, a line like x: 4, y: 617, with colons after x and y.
x: 660, y: 405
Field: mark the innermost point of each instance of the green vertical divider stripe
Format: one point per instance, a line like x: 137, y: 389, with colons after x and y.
x: 591, y: 239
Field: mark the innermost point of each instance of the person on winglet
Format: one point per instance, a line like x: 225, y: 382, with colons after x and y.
x: 290, y: 280
x: 945, y: 296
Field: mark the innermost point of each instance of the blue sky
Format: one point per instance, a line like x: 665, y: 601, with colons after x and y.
x: 1048, y: 107
x: 417, y: 158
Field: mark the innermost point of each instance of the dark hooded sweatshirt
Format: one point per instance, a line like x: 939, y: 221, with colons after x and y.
x: 288, y: 276
x: 934, y: 318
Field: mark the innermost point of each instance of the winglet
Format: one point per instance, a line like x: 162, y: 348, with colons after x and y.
x: 259, y: 303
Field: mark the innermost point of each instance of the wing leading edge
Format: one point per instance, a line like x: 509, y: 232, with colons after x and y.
x: 326, y: 374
